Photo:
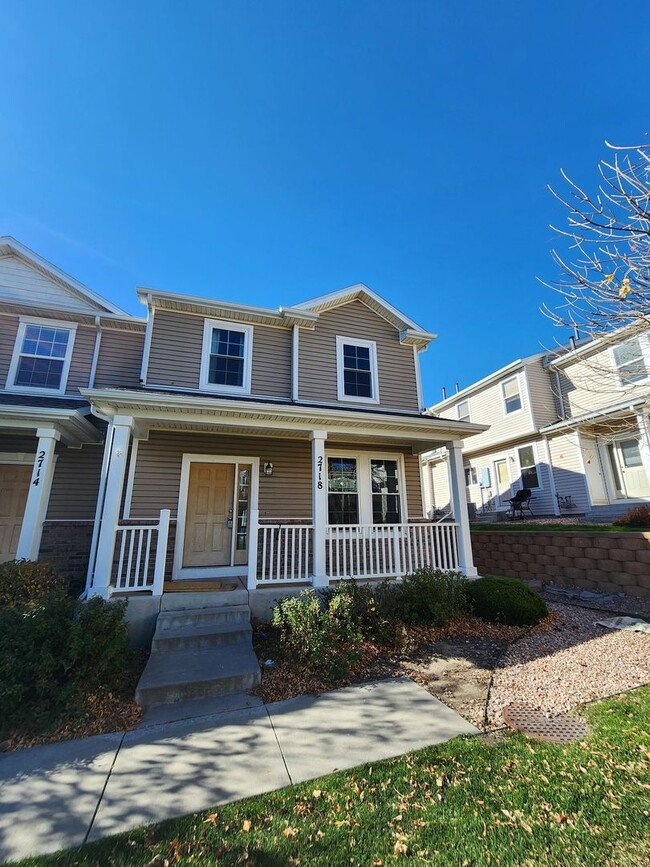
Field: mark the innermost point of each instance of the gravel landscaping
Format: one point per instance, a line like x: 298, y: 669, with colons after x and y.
x: 572, y: 663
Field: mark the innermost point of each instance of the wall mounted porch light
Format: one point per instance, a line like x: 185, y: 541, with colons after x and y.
x: 268, y: 468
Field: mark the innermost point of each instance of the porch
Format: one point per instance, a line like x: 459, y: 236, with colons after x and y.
x: 285, y: 553
x: 273, y: 502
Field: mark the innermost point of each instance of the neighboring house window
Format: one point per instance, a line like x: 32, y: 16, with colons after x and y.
x: 463, y: 411
x: 511, y: 395
x: 364, y: 490
x: 226, y: 360
x: 528, y: 467
x: 357, y: 370
x: 471, y: 476
x: 630, y: 363
x: 42, y: 356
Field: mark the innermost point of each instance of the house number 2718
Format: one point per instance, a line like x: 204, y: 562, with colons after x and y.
x: 320, y: 473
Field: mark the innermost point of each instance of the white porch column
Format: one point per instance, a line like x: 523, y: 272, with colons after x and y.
x: 319, y: 506
x: 459, y: 505
x: 38, y: 496
x: 118, y: 437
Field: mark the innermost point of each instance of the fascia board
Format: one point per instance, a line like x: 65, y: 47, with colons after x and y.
x: 138, y: 402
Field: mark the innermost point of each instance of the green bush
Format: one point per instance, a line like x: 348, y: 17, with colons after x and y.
x: 369, y: 609
x: 505, y: 600
x: 427, y: 597
x: 639, y: 517
x: 24, y: 582
x: 54, y: 654
x: 322, y: 634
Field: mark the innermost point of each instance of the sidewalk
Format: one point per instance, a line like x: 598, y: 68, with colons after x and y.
x: 59, y: 796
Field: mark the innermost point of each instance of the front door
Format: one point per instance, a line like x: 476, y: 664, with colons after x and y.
x: 631, y: 478
x: 209, y: 516
x: 14, y: 485
x: 503, y: 482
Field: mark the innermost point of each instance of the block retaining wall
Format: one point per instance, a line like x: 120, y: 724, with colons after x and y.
x: 605, y: 562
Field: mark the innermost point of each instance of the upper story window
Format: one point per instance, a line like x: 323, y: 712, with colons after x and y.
x: 463, y: 411
x: 630, y: 363
x: 528, y: 467
x: 511, y: 395
x: 356, y: 375
x: 227, y: 354
x: 42, y: 356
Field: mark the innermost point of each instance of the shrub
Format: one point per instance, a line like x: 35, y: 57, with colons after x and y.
x: 24, y: 582
x: 54, y: 654
x: 369, y: 609
x: 506, y: 600
x: 639, y: 516
x: 322, y: 634
x: 428, y: 597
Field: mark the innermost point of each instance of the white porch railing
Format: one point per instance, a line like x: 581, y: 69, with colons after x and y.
x: 284, y: 552
x: 390, y: 550
x: 141, y: 553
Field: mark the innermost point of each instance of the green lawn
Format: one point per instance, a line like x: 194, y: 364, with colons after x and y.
x: 553, y: 528
x: 467, y: 802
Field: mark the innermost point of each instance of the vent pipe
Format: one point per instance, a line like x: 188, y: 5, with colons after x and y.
x: 444, y: 393
x: 457, y: 388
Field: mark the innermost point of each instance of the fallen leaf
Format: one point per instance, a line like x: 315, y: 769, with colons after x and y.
x: 400, y: 848
x: 317, y: 793
x: 247, y: 825
x: 290, y: 833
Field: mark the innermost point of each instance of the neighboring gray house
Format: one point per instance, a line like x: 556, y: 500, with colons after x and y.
x: 570, y: 425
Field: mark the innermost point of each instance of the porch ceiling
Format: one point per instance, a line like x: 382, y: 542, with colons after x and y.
x: 73, y: 425
x: 190, y: 412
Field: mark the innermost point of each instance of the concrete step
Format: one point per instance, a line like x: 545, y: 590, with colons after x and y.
x: 184, y: 675
x: 203, y: 617
x: 193, y: 600
x: 198, y: 637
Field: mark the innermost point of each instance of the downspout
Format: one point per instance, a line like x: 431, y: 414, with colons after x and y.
x: 295, y: 364
x: 147, y: 341
x: 559, y: 394
x: 551, y: 477
x: 98, y: 343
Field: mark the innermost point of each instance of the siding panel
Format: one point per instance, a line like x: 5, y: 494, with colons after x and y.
x: 396, y: 368
x: 120, y: 358
x: 21, y: 284
x: 82, y: 359
x: 75, y: 483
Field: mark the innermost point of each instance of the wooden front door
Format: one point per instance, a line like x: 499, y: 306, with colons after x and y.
x: 208, y: 521
x: 14, y: 485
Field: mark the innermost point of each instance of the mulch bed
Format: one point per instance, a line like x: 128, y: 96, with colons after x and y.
x: 287, y: 678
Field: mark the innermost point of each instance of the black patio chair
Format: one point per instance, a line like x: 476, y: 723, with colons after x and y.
x: 519, y: 504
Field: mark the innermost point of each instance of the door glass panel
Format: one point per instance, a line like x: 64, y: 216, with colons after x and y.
x: 243, y: 505
x: 502, y: 472
x: 385, y: 492
x: 630, y: 453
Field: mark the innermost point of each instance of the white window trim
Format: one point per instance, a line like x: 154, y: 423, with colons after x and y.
x: 469, y: 414
x: 23, y: 322
x: 247, y: 330
x: 374, y: 376
x: 364, y: 482
x: 540, y: 481
x: 644, y: 346
x: 503, y: 395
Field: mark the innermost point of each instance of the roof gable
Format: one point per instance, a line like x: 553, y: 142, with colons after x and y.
x: 410, y: 332
x: 28, y: 279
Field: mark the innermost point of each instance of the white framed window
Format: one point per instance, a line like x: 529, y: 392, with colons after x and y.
x: 42, y: 354
x: 471, y: 476
x: 226, y: 359
x: 528, y: 470
x: 511, y: 393
x: 463, y: 411
x: 630, y: 362
x: 365, y: 489
x: 356, y: 370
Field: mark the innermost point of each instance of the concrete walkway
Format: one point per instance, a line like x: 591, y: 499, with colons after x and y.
x: 60, y: 796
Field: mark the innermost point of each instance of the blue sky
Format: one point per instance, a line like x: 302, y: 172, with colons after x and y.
x: 268, y: 152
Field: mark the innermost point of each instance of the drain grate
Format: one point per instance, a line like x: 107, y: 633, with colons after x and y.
x: 537, y: 724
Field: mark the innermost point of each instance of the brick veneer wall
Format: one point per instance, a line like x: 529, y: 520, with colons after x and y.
x: 66, y: 546
x: 606, y: 562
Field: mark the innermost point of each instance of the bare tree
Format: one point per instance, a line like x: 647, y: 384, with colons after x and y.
x: 604, y: 281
